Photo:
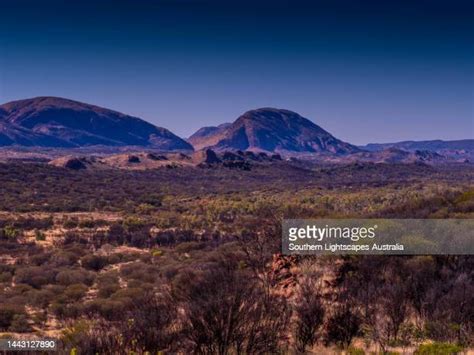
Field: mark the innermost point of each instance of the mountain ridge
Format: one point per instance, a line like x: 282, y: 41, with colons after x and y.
x: 55, y: 122
x: 272, y: 130
x: 58, y: 122
x: 207, y: 136
x: 433, y: 145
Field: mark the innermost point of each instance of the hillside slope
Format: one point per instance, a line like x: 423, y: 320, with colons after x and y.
x: 273, y: 130
x: 58, y: 122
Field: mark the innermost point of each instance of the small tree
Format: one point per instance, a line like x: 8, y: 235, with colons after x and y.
x: 309, y: 315
x: 343, y: 326
x: 226, y: 310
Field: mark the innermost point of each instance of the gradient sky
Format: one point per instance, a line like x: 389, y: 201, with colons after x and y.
x: 366, y: 71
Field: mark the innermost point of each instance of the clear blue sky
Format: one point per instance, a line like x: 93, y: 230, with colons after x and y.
x: 367, y: 71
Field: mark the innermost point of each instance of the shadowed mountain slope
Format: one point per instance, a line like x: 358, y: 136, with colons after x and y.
x: 208, y: 136
x: 58, y: 122
x: 272, y: 130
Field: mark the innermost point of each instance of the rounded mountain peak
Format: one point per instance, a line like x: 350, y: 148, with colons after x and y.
x: 270, y: 112
x: 58, y: 122
x: 41, y: 103
x: 276, y: 130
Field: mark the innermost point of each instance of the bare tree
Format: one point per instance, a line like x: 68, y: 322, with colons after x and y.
x: 150, y: 324
x: 343, y: 326
x: 309, y: 315
x: 259, y: 245
x: 147, y: 326
x: 227, y: 310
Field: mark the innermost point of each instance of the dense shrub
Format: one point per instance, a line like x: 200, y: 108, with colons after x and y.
x: 20, y: 324
x: 70, y: 277
x: 75, y: 292
x: 94, y: 262
x: 35, y: 276
x: 8, y: 314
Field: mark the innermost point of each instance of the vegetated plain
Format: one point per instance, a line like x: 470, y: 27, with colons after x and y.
x: 186, y: 259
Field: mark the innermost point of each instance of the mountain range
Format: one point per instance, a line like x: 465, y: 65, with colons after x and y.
x: 62, y: 123
x: 457, y: 150
x: 433, y: 145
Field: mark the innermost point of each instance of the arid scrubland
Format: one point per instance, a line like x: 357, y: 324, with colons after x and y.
x: 187, y: 260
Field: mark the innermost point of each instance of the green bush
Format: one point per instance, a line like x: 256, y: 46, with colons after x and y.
x: 40, y: 298
x: 156, y: 252
x: 39, y: 236
x: 8, y: 314
x: 107, y: 290
x: 35, y: 276
x: 187, y: 247
x: 107, y: 308
x: 70, y: 277
x: 94, y: 262
x: 9, y: 232
x: 438, y: 349
x: 66, y: 310
x: 20, y: 324
x: 132, y: 223
x: 114, y: 258
x: 65, y: 258
x: 75, y: 292
x: 6, y: 277
x: 86, y: 223
x: 355, y: 351
x: 70, y: 223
